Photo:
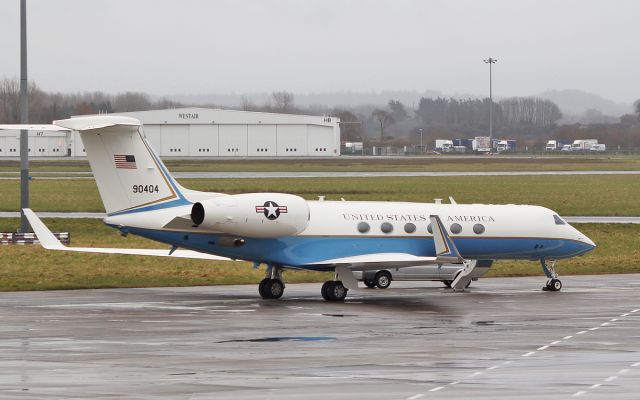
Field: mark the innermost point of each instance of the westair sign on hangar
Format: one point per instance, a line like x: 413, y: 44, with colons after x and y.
x: 204, y: 132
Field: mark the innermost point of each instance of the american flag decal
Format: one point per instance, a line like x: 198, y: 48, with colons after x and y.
x: 125, y: 161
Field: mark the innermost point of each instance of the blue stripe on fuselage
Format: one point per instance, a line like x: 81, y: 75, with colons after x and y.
x: 300, y: 250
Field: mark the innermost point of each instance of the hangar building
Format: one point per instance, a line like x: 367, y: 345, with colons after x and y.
x: 203, y: 132
x: 41, y: 144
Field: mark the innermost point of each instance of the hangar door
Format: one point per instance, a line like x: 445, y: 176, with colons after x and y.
x: 203, y: 140
x: 262, y: 140
x: 320, y: 140
x: 232, y: 140
x: 174, y: 140
x: 152, y: 134
x: 292, y: 140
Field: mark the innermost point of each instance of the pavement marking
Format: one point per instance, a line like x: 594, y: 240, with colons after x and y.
x: 607, y: 379
x: 545, y: 347
x: 416, y: 396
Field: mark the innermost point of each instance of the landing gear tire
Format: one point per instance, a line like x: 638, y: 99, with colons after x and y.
x: 334, y: 291
x: 382, y: 279
x: 261, y: 287
x: 325, y: 290
x: 553, y: 285
x: 271, y: 288
x: 447, y: 283
x: 369, y: 284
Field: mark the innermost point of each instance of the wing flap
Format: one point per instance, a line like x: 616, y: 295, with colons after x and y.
x: 377, y: 260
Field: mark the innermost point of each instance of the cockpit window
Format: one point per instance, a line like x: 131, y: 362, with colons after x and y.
x: 559, y: 221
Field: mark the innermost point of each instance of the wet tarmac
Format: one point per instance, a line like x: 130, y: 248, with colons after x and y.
x: 505, y: 338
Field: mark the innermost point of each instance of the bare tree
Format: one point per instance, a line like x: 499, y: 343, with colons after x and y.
x: 637, y: 108
x: 283, y: 101
x: 384, y: 119
x: 247, y: 105
x: 131, y: 101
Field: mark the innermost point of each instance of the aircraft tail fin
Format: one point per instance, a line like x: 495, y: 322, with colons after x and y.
x: 446, y: 249
x: 129, y: 175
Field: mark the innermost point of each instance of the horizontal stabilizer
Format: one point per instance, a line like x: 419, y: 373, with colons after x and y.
x: 50, y: 242
x: 96, y: 122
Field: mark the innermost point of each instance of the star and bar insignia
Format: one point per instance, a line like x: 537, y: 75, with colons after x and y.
x: 271, y: 210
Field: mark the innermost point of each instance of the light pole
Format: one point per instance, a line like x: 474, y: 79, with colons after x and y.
x: 490, y: 61
x: 24, y: 119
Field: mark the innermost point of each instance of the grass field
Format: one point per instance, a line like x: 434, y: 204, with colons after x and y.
x: 604, y: 195
x: 576, y: 162
x: 30, y: 267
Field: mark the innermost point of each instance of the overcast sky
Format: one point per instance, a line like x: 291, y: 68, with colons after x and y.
x: 190, y: 47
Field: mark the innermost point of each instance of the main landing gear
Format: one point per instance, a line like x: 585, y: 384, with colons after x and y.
x: 549, y: 268
x: 334, y: 291
x: 272, y: 286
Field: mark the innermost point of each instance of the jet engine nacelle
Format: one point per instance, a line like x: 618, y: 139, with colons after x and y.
x: 253, y: 214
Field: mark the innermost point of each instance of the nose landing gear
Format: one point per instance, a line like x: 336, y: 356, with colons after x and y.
x: 553, y: 284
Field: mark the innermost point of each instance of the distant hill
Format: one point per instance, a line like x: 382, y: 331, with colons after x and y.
x: 577, y: 102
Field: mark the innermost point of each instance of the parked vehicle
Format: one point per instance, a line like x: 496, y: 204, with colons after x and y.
x: 506, y: 145
x: 555, y: 145
x: 446, y: 274
x: 583, y: 144
x: 598, y: 147
x: 482, y: 144
x: 444, y: 145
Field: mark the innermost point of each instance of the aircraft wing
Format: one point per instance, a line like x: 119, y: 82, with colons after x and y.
x: 379, y: 260
x: 50, y: 242
x: 445, y: 249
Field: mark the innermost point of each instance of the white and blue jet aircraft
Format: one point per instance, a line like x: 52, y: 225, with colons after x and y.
x: 286, y: 231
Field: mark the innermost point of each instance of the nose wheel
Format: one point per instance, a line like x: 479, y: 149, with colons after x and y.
x: 553, y: 284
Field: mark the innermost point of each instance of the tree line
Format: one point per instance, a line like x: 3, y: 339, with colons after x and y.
x: 529, y: 119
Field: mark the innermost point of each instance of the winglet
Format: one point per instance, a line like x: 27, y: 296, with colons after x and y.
x: 46, y: 238
x: 445, y: 248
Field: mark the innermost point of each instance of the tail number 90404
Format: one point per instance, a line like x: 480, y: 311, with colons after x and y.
x: 145, y: 189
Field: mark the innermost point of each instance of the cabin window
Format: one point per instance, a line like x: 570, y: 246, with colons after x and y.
x: 558, y: 220
x: 386, y: 227
x: 478, y: 229
x: 456, y: 228
x: 363, y: 227
x: 409, y: 227
x: 430, y: 228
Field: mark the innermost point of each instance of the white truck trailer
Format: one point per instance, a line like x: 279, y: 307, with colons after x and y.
x: 444, y: 145
x: 583, y: 144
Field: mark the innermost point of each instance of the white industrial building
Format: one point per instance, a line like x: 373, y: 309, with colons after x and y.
x: 204, y: 132
x: 41, y: 144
